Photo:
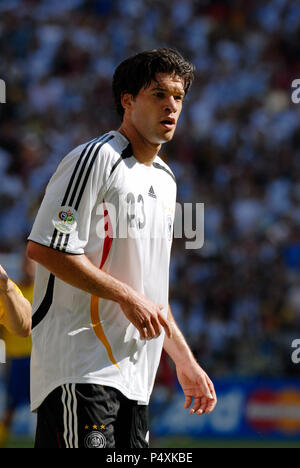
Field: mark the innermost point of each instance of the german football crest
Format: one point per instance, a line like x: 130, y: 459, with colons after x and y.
x: 95, y: 439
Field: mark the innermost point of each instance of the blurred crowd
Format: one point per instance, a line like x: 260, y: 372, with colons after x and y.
x: 237, y: 150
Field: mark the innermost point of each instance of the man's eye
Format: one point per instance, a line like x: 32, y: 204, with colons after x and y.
x: 160, y: 95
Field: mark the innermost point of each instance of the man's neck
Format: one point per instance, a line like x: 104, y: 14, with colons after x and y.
x: 144, y: 151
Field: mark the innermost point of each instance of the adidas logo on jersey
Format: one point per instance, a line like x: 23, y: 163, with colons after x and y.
x: 151, y: 192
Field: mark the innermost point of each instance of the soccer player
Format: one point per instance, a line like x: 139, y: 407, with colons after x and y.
x: 15, y: 310
x: 18, y: 349
x: 102, y: 239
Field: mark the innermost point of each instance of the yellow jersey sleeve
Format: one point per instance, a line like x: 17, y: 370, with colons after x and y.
x: 16, y: 346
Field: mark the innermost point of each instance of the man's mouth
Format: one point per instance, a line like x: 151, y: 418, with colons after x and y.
x: 168, y: 123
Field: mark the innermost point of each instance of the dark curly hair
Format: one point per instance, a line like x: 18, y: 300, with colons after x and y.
x: 138, y: 71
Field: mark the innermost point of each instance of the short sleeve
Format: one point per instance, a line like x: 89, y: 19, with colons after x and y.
x: 64, y: 218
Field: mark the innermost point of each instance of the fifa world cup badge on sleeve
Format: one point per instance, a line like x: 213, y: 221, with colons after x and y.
x: 65, y: 219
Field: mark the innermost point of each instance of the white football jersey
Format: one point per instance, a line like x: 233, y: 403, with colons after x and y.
x: 103, y: 203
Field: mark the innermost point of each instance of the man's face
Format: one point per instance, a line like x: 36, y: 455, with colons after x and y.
x: 154, y: 112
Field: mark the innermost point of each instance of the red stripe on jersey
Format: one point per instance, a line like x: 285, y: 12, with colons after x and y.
x: 95, y: 299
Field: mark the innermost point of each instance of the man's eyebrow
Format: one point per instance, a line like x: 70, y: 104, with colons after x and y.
x: 159, y: 88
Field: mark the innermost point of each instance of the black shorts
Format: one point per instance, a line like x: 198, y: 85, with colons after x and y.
x: 91, y: 416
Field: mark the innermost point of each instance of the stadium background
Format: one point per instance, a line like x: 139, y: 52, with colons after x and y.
x: 236, y: 150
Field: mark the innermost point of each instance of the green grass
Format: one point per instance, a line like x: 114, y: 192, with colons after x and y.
x: 20, y: 442
x: 188, y: 442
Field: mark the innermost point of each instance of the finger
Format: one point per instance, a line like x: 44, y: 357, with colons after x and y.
x: 203, y: 405
x: 156, y: 324
x: 211, y: 403
x: 196, y: 405
x: 165, y: 325
x: 157, y: 327
x: 188, y: 401
x: 200, y: 405
x: 143, y: 333
x: 206, y: 406
x: 150, y: 331
x: 205, y: 388
x: 211, y: 406
x: 211, y: 387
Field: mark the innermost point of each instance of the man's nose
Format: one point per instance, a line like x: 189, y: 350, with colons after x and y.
x: 170, y: 105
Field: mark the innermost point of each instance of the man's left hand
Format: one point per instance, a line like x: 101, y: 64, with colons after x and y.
x: 197, y: 385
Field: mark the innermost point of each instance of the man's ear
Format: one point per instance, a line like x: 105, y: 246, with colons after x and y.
x: 126, y: 101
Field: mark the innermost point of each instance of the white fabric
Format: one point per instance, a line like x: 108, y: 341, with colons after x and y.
x: 66, y: 346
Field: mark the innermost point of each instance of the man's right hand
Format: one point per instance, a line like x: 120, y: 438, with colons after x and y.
x: 81, y: 273
x: 145, y: 316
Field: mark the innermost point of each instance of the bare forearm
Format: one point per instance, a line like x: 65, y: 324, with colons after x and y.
x: 193, y: 379
x: 80, y: 272
x: 17, y: 316
x: 176, y: 346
